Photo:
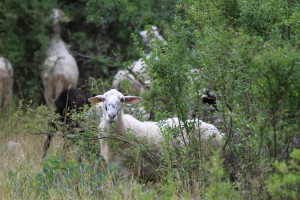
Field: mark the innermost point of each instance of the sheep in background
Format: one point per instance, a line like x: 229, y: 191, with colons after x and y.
x: 148, y: 38
x: 136, y: 73
x: 126, y: 75
x: 115, y: 125
x: 6, y: 82
x: 68, y: 101
x: 61, y: 69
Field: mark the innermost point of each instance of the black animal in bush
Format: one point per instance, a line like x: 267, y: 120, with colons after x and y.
x: 209, y: 98
x: 68, y: 102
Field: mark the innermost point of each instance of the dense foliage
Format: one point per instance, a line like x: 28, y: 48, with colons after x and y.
x: 100, y: 36
x: 246, y: 51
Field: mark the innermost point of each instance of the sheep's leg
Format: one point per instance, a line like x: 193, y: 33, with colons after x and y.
x: 49, y: 139
x: 8, y: 91
x: 47, y: 144
x: 49, y: 94
x: 1, y: 92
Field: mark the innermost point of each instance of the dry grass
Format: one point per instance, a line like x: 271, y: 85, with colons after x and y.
x: 21, y: 166
x: 23, y: 159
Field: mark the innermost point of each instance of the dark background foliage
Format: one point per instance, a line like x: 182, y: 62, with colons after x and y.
x: 100, y: 36
x: 246, y: 51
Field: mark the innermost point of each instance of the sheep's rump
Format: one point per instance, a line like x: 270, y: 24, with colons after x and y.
x: 6, y: 86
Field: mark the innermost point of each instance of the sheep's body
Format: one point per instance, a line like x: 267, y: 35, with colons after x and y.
x: 126, y: 75
x: 6, y: 82
x: 149, y: 132
x: 149, y: 38
x: 146, y: 130
x: 61, y: 69
x: 209, y: 135
x: 137, y: 73
x: 137, y: 70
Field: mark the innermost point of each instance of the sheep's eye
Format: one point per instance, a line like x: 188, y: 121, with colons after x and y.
x: 106, y: 108
x: 122, y: 99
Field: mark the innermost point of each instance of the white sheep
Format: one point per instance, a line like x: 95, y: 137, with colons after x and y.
x: 6, y: 82
x: 136, y: 73
x: 148, y: 38
x: 126, y: 75
x: 135, y: 87
x: 115, y: 126
x: 61, y: 69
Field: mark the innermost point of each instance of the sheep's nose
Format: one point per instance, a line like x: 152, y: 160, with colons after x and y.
x: 111, y: 116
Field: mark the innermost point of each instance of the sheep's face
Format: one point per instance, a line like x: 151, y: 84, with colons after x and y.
x: 58, y: 15
x: 113, y: 104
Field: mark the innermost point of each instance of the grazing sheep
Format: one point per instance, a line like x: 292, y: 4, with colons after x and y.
x: 126, y: 75
x: 148, y: 38
x: 115, y: 125
x: 6, y: 82
x: 68, y: 101
x: 137, y: 73
x: 61, y: 69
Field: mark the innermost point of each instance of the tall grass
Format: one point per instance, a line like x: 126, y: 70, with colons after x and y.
x: 26, y: 176
x: 83, y: 174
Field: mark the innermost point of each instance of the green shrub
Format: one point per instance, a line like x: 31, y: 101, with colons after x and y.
x: 285, y: 182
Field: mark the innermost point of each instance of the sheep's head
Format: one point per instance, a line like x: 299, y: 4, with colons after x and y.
x: 113, y: 103
x: 58, y: 15
x: 149, y: 37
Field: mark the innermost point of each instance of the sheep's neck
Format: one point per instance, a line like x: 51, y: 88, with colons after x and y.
x: 56, y: 32
x: 120, y: 124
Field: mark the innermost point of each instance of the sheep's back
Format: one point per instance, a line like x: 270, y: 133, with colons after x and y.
x: 139, y: 69
x: 147, y: 129
x: 60, y: 61
x: 5, y: 67
x: 205, y: 130
x: 4, y: 74
x: 126, y: 75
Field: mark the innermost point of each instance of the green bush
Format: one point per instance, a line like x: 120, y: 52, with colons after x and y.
x: 285, y: 182
x: 99, y: 36
x: 23, y: 41
x: 246, y: 51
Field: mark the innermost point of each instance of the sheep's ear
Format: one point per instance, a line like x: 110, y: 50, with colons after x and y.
x: 132, y: 99
x: 96, y: 99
